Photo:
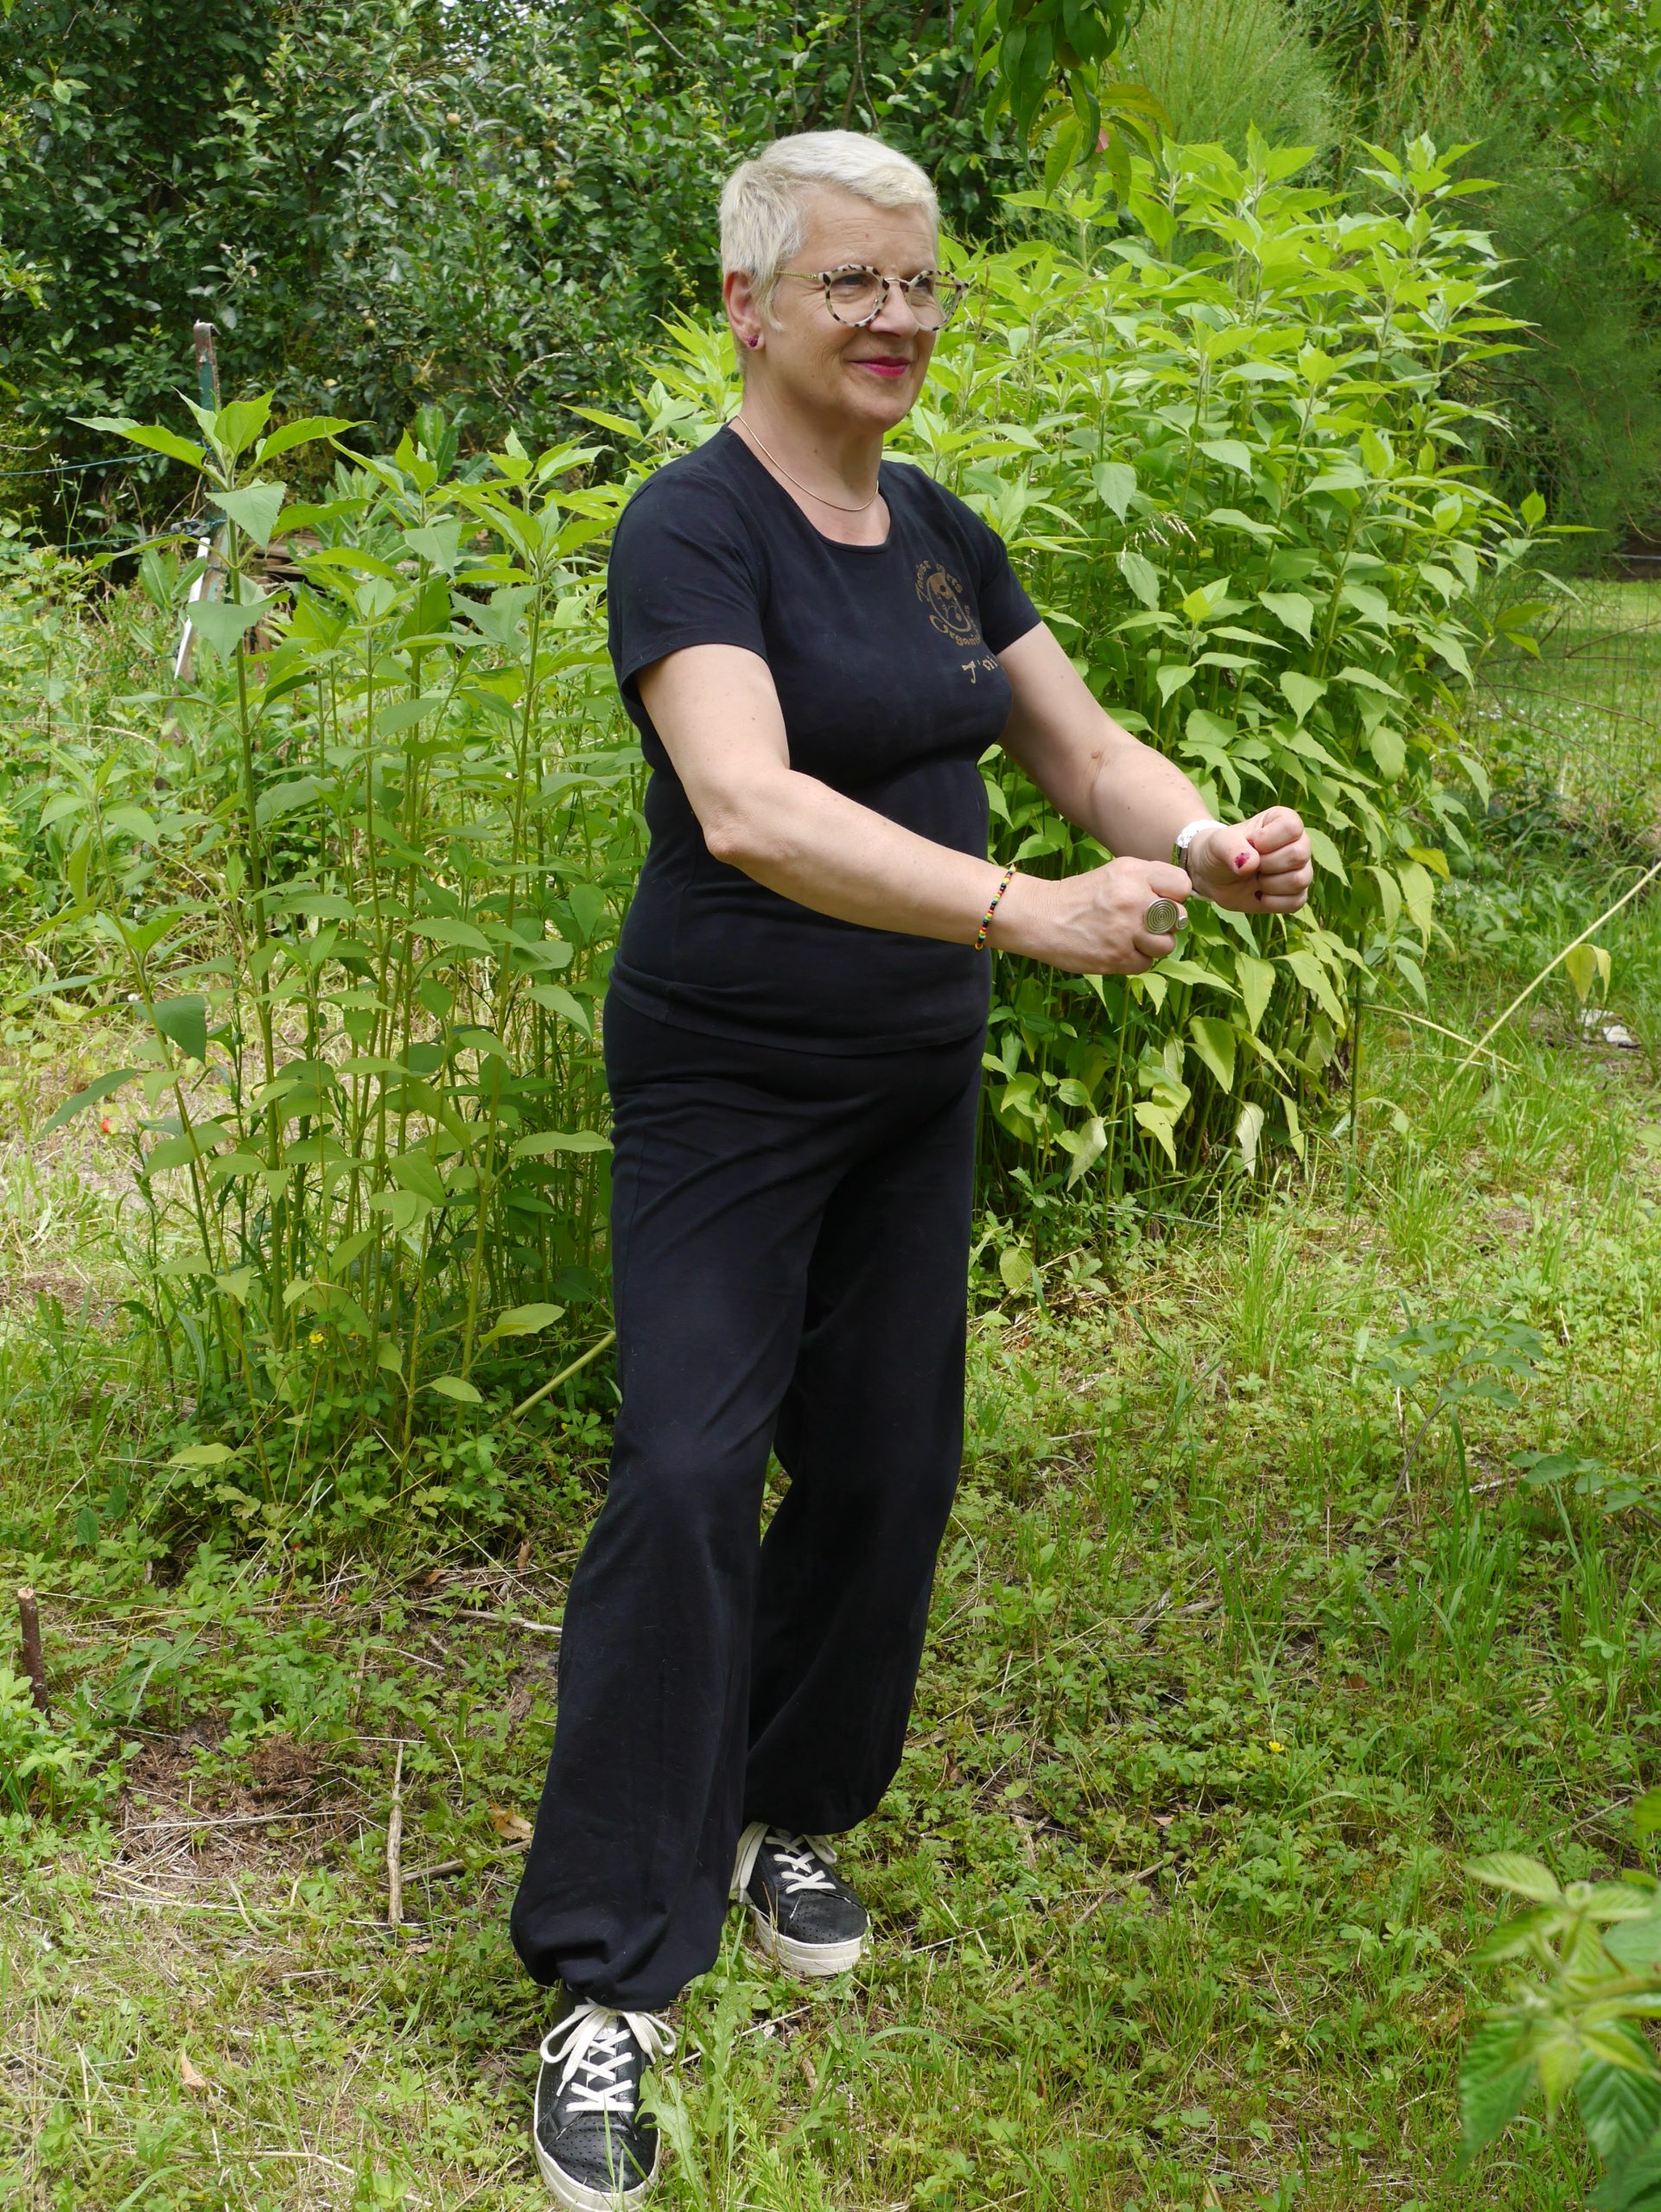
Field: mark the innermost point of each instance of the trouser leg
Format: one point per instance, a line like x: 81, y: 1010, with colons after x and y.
x: 871, y: 1437
x: 717, y: 1196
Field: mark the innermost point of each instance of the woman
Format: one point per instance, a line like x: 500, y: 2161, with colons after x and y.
x: 817, y: 648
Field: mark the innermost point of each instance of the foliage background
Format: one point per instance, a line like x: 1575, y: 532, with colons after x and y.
x: 384, y: 202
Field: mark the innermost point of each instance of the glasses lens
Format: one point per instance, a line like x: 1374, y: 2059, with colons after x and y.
x: 934, y: 299
x: 929, y: 304
x: 854, y: 294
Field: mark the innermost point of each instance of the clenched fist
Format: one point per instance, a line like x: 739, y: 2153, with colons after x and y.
x: 1259, y: 866
x: 1091, y: 925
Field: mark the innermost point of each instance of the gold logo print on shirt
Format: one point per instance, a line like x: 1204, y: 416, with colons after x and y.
x: 942, y: 595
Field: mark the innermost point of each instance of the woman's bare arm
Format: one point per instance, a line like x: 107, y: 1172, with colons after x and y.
x: 716, y: 710
x: 1131, y: 798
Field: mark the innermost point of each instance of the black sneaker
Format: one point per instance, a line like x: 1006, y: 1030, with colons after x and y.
x: 597, y: 2150
x: 805, y: 1917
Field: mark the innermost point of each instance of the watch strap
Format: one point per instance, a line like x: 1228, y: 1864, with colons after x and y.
x: 1186, y: 835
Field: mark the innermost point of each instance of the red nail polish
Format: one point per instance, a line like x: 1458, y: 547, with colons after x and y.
x: 1239, y: 860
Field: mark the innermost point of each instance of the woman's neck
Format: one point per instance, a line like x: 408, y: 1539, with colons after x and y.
x: 830, y: 471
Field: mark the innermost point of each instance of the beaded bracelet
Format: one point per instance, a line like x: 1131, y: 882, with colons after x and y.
x: 986, y: 921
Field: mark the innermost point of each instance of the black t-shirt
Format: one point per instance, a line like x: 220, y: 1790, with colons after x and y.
x: 883, y: 660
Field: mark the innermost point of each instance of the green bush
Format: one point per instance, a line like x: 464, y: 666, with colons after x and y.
x: 363, y: 892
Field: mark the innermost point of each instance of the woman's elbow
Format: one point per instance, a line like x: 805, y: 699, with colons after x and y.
x: 734, y: 837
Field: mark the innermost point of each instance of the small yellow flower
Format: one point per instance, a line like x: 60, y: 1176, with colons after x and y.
x: 1273, y: 1746
x: 317, y: 1338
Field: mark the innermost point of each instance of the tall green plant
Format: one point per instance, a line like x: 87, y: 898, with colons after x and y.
x: 1574, y: 2027
x: 361, y: 900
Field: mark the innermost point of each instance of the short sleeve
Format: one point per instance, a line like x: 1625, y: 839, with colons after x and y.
x: 1006, y: 611
x: 682, y: 573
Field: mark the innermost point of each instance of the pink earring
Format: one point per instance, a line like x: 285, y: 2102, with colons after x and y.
x: 753, y: 340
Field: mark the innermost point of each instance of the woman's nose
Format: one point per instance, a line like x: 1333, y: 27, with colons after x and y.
x: 896, y: 314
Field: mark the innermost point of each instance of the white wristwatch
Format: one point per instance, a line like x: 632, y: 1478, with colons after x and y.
x: 1186, y: 835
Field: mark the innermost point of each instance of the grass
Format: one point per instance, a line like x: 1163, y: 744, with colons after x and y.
x: 1231, y: 1670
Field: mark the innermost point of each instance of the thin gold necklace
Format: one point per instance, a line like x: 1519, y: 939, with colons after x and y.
x: 738, y: 423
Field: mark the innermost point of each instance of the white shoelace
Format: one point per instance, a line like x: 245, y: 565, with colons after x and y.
x: 795, y: 1867
x: 590, y: 2046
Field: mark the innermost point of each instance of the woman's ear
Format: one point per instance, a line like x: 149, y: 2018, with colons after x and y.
x: 743, y: 310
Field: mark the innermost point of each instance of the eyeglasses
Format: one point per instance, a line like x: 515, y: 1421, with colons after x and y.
x: 856, y: 295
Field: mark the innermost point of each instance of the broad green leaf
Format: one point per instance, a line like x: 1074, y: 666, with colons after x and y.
x: 1634, y: 2187
x: 1390, y: 897
x: 221, y: 624
x: 1637, y: 1943
x: 1292, y: 608
x: 1307, y: 967
x: 1213, y: 1040
x: 1418, y: 895
x: 254, y: 509
x: 1523, y: 1876
x: 1494, y: 2081
x: 456, y: 1387
x: 561, y: 1002
x: 1160, y: 1124
x: 418, y: 1171
x: 1016, y: 1265
x: 1584, y: 965
x: 1619, y: 2091
x: 1647, y: 1813
x: 1172, y: 678
x: 1302, y: 692
x: 1141, y: 577
x: 1115, y: 484
x: 449, y: 929
x: 302, y: 433
x: 1256, y: 979
x: 1248, y: 1131
x: 404, y: 1209
x: 151, y: 435
x: 1368, y: 602
x: 547, y: 1141
x: 93, y: 1095
x: 1388, y: 748
x: 203, y: 1455
x: 235, y: 425
x: 1325, y: 852
x: 1233, y: 453
x: 619, y: 424
x: 525, y: 1320
x: 1086, y: 1144
x: 1365, y: 680
x: 403, y: 714
x: 184, y: 1022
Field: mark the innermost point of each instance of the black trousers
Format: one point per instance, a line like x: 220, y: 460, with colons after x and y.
x: 790, y: 1236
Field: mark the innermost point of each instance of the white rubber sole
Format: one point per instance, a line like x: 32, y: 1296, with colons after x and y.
x: 578, y: 2196
x: 813, y: 1961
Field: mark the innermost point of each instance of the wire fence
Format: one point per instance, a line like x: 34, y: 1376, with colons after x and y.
x: 1587, y: 713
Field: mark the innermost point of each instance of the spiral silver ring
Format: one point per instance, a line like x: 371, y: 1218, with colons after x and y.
x: 1164, y: 917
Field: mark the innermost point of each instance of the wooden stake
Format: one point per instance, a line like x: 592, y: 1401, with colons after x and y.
x: 33, y: 1664
x: 395, y: 1848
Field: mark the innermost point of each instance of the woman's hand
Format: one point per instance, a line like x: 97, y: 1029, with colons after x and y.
x: 1091, y: 925
x: 1259, y: 866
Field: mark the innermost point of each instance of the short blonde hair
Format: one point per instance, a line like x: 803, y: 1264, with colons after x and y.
x: 762, y: 201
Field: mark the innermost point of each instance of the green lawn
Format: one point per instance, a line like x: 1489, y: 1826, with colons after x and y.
x: 1233, y: 1664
